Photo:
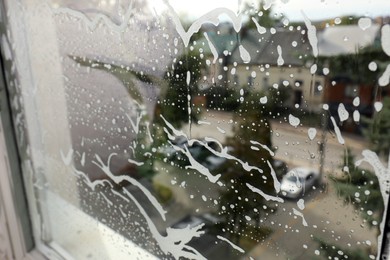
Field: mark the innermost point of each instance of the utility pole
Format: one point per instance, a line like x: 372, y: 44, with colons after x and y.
x: 322, y: 144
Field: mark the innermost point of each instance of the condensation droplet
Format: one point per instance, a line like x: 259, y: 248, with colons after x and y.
x: 263, y: 100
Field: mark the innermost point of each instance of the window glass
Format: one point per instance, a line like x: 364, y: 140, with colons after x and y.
x: 164, y: 129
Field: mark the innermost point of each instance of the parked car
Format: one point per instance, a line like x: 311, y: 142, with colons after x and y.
x: 280, y: 168
x: 197, y: 150
x: 169, y: 152
x: 298, y: 181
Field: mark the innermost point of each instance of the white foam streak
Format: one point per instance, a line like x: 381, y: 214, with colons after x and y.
x: 67, y: 159
x: 265, y: 196
x: 280, y: 60
x: 239, y: 249
x: 383, y: 175
x: 212, y: 48
x: 136, y: 124
x: 384, y: 80
x: 311, y: 34
x: 135, y: 162
x: 385, y: 39
x: 263, y: 146
x: 273, y: 174
x: 173, y: 129
x: 148, y: 131
x: 188, y: 79
x: 92, y: 24
x: 337, y: 131
x: 299, y: 214
x: 119, y: 178
x: 260, y: 28
x: 91, y: 184
x: 210, y: 17
x: 195, y: 165
x: 175, y: 242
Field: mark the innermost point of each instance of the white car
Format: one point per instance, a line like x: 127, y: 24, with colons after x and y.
x: 298, y: 181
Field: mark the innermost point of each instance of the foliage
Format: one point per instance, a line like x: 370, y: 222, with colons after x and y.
x: 378, y: 127
x: 164, y: 194
x: 354, y: 66
x: 222, y: 98
x: 332, y: 251
x: 262, y: 15
x: 361, y: 189
x: 173, y: 106
x: 240, y: 205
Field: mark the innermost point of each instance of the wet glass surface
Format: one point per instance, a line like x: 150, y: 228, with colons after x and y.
x: 238, y: 134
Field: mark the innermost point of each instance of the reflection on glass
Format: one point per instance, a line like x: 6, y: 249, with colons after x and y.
x: 245, y: 135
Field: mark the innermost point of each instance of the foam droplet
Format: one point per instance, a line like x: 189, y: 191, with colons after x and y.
x: 244, y: 54
x: 313, y: 68
x: 301, y: 204
x: 356, y: 101
x: 343, y: 113
x: 364, y: 23
x: 294, y: 121
x: 312, y: 132
x: 356, y: 116
x: 378, y: 106
x: 372, y: 66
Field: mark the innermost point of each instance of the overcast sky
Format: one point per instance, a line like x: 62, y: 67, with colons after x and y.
x: 314, y: 9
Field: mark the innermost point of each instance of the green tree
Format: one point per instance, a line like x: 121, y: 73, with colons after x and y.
x: 377, y: 131
x: 240, y: 206
x: 361, y: 189
x: 332, y: 251
x: 263, y: 16
x: 355, y: 65
x: 173, y: 105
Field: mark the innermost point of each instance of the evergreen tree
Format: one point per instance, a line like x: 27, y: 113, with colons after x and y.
x: 361, y: 189
x: 378, y: 130
x: 173, y: 106
x: 263, y: 16
x: 241, y: 207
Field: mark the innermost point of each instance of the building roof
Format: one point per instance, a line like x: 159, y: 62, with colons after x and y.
x: 345, y: 39
x: 221, y: 42
x: 263, y: 48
